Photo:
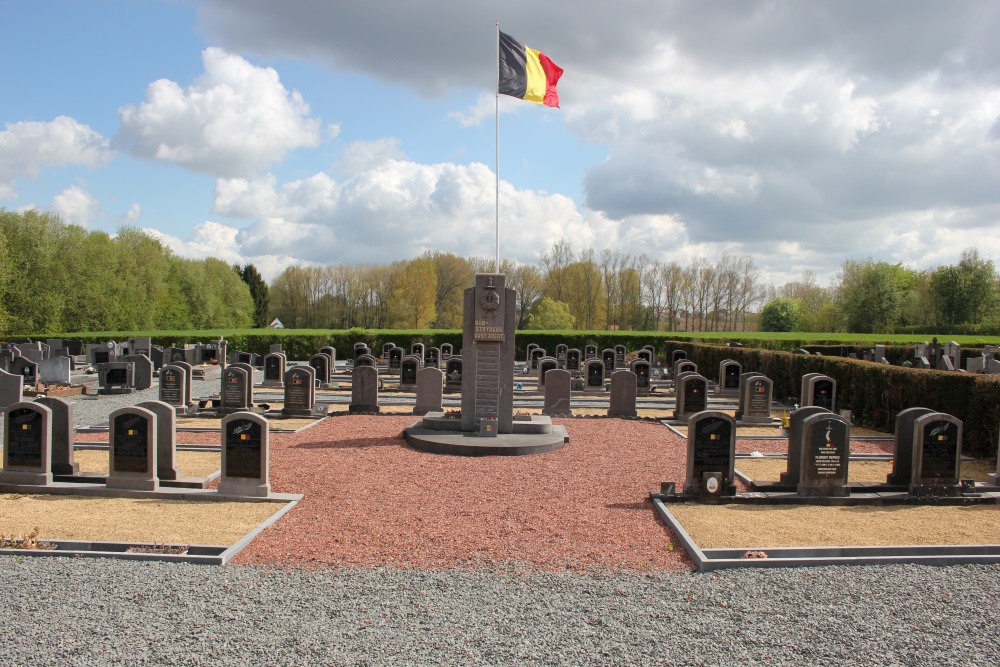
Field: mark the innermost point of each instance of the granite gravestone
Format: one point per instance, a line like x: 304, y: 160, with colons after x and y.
x: 27, y: 369
x: 274, y: 370
x: 729, y: 378
x: 757, y: 403
x: 172, y: 386
x: 536, y: 356
x: 115, y: 377
x: 826, y: 449
x: 365, y: 360
x: 132, y: 448
x: 11, y: 389
x: 595, y: 375
x: 589, y: 352
x: 488, y: 353
x: 796, y: 443
x: 453, y: 375
x: 545, y: 364
x: 937, y: 455
x: 386, y: 346
x: 61, y: 427
x: 623, y: 393
x: 321, y: 363
x: 364, y: 389
x: 447, y: 351
x: 331, y: 352
x: 54, y: 370
x: 682, y: 366
x: 561, y: 350
x: 608, y: 357
x: 741, y: 403
x: 417, y: 350
x: 300, y: 391
x: 676, y: 356
x: 620, y: 355
x: 395, y: 360
x: 166, y: 439
x: 430, y: 390
x: 902, y: 455
x: 408, y: 369
x: 142, y: 371
x: 692, y: 396
x: 642, y: 371
x: 574, y: 361
x: 235, y: 392
x: 245, y: 456
x: 819, y: 390
x: 188, y: 377
x: 527, y: 354
x: 432, y: 357
x: 711, y: 455
x: 558, y: 385
x: 27, y: 444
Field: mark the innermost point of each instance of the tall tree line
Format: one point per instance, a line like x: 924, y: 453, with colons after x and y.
x: 60, y: 278
x: 581, y: 289
x: 869, y: 296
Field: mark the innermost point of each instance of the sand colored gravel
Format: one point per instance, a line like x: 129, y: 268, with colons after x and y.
x: 769, y: 470
x: 131, y: 519
x: 761, y: 526
x: 192, y: 464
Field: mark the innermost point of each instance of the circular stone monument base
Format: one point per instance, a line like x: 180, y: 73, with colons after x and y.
x: 438, y: 434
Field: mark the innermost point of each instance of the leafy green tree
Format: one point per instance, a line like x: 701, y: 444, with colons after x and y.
x: 871, y: 295
x: 781, y: 314
x: 965, y: 293
x: 258, y: 291
x: 550, y: 315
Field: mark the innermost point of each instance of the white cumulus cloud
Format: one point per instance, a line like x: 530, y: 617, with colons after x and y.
x: 76, y: 206
x: 234, y: 119
x: 28, y: 146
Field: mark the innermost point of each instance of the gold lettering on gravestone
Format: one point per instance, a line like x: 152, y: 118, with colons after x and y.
x: 488, y: 331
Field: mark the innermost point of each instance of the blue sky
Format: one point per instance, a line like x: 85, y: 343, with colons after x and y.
x: 800, y: 133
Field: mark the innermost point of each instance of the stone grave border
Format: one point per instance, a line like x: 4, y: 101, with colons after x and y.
x: 708, y: 560
x: 202, y: 554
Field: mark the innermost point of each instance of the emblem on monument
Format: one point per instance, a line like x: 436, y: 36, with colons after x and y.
x: 489, y: 300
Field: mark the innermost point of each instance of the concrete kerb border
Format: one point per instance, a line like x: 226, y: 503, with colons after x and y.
x: 708, y: 560
x: 202, y: 554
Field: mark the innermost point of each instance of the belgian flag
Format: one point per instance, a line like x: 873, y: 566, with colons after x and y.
x: 527, y: 74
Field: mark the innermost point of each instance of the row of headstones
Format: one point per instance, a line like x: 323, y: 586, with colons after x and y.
x: 394, y: 356
x: 236, y: 388
x: 574, y: 360
x: 927, y: 458
x: 38, y: 443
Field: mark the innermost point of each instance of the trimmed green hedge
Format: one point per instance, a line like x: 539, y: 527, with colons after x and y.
x: 874, y: 393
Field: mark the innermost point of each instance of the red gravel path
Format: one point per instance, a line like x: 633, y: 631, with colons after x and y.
x: 371, y: 500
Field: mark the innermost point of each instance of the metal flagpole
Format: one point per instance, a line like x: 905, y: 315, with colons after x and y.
x: 497, y: 115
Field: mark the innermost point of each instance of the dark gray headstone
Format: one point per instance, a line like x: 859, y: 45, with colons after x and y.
x: 729, y: 378
x: 115, y: 377
x: 594, y: 375
x: 902, y: 456
x: 826, y: 450
x: 643, y: 372
x: 408, y: 368
x: 166, y: 439
x: 61, y: 422
x: 11, y: 389
x: 27, y: 444
x: 623, y: 393
x: 394, y: 360
x: 321, y: 363
x: 430, y: 390
x: 558, y: 385
x: 711, y: 455
x: 54, y: 370
x: 300, y: 391
x: 545, y: 364
x: 142, y: 371
x: 937, y: 455
x: 759, y: 390
x: 274, y: 370
x: 27, y: 369
x: 245, y: 456
x: 692, y: 395
x: 132, y: 450
x: 796, y: 442
x: 364, y: 389
x: 235, y: 392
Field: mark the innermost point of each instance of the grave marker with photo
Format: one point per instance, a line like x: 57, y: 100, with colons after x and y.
x: 711, y: 455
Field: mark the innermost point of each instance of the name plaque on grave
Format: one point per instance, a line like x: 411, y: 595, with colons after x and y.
x: 25, y: 439
x: 171, y: 387
x: 694, y: 396
x: 939, y: 450
x: 711, y: 445
x: 823, y: 395
x: 825, y: 457
x: 272, y: 368
x: 759, y: 398
x: 130, y: 443
x: 232, y: 391
x: 732, y: 379
x: 296, y: 392
x: 243, y: 449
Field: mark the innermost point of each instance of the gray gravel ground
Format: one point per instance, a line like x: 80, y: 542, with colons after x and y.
x: 61, y: 611
x: 64, y: 611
